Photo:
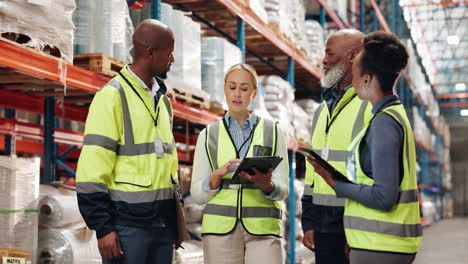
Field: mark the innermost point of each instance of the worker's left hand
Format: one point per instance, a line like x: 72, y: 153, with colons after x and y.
x: 263, y: 180
x: 327, y: 176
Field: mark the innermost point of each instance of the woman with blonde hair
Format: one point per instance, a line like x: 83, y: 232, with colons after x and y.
x: 241, y: 222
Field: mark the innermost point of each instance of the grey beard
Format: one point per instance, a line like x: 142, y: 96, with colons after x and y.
x: 334, y: 76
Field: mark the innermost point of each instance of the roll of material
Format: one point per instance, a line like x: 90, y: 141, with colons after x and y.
x: 73, y: 246
x: 59, y: 211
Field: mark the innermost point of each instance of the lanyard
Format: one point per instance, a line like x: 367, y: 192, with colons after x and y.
x: 330, y: 122
x: 149, y: 111
x: 232, y: 140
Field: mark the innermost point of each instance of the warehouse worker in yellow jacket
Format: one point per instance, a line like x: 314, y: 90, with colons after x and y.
x: 128, y: 165
x: 381, y: 216
x: 241, y: 222
x: 336, y: 122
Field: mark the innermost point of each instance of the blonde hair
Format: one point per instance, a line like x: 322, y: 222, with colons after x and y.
x: 246, y: 67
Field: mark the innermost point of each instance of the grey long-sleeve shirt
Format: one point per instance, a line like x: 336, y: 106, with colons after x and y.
x: 381, y: 159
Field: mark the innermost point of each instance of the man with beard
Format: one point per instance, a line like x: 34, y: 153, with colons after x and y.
x: 335, y: 123
x: 128, y: 165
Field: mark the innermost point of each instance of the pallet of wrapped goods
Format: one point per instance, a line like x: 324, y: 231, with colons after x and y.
x: 182, y: 92
x: 44, y: 23
x: 19, y: 188
x: 99, y: 63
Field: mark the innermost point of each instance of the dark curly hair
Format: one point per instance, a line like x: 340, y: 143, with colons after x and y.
x: 383, y: 56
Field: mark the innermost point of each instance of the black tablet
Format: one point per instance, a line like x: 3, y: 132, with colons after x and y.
x: 262, y: 163
x: 308, y: 153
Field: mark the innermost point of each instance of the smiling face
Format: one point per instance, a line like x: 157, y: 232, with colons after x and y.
x: 239, y: 90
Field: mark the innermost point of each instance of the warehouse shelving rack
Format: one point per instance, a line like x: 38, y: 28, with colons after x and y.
x: 41, y: 81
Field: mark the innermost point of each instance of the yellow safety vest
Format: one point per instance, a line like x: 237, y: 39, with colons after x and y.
x: 398, y: 230
x: 337, y: 131
x: 244, y: 202
x: 119, y: 154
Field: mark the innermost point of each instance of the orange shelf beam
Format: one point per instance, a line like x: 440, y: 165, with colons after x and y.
x: 47, y: 67
x: 246, y: 14
x: 446, y: 105
x: 452, y: 96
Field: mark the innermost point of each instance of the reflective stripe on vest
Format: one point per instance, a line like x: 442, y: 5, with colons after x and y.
x: 240, y: 202
x: 381, y: 227
x: 323, y: 194
x: 129, y: 148
x: 398, y: 230
x: 247, y: 212
x: 323, y: 199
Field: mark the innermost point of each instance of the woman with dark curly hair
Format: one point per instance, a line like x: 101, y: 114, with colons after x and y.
x: 381, y: 218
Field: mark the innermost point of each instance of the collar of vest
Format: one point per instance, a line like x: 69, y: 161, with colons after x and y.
x: 349, y: 95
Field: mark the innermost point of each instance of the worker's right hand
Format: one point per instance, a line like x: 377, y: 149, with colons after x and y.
x: 109, y: 246
x: 217, y: 176
x: 308, y: 240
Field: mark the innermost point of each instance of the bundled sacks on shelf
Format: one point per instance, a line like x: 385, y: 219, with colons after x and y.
x: 19, y: 190
x: 300, y: 123
x: 46, y: 23
x: 187, y: 54
x: 421, y: 130
x: 218, y: 55
x: 258, y: 7
x: 279, y: 97
x: 423, y: 88
x: 316, y: 43
x: 103, y: 27
x: 287, y: 18
x: 309, y: 106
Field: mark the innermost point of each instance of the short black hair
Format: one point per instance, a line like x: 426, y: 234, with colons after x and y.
x: 384, y: 56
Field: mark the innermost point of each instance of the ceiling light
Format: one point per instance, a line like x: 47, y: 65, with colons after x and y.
x: 464, y: 112
x: 453, y: 40
x: 460, y: 87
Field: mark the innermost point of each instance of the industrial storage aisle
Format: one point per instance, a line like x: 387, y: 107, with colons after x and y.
x: 445, y: 241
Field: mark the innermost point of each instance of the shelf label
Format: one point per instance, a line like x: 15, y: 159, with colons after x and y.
x: 11, y: 260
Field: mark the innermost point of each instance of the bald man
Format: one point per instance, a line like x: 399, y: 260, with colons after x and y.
x: 336, y: 122
x: 127, y: 170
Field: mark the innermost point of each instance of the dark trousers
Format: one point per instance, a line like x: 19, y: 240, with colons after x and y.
x: 144, y: 245
x: 330, y: 248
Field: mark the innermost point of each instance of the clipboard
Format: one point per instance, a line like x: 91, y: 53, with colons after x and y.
x: 262, y: 163
x: 308, y: 153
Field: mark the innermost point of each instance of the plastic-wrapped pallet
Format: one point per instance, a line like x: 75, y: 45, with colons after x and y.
x: 45, y: 22
x: 218, y: 55
x: 19, y: 190
x: 93, y: 21
x: 122, y: 31
x: 187, y: 54
x: 103, y: 27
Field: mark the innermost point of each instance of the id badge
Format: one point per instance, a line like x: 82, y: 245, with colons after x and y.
x: 325, y: 151
x: 158, y: 147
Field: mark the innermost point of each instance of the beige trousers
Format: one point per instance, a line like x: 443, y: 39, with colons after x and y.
x: 239, y: 247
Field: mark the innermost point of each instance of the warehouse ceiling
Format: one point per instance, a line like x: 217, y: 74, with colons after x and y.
x: 439, y: 29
